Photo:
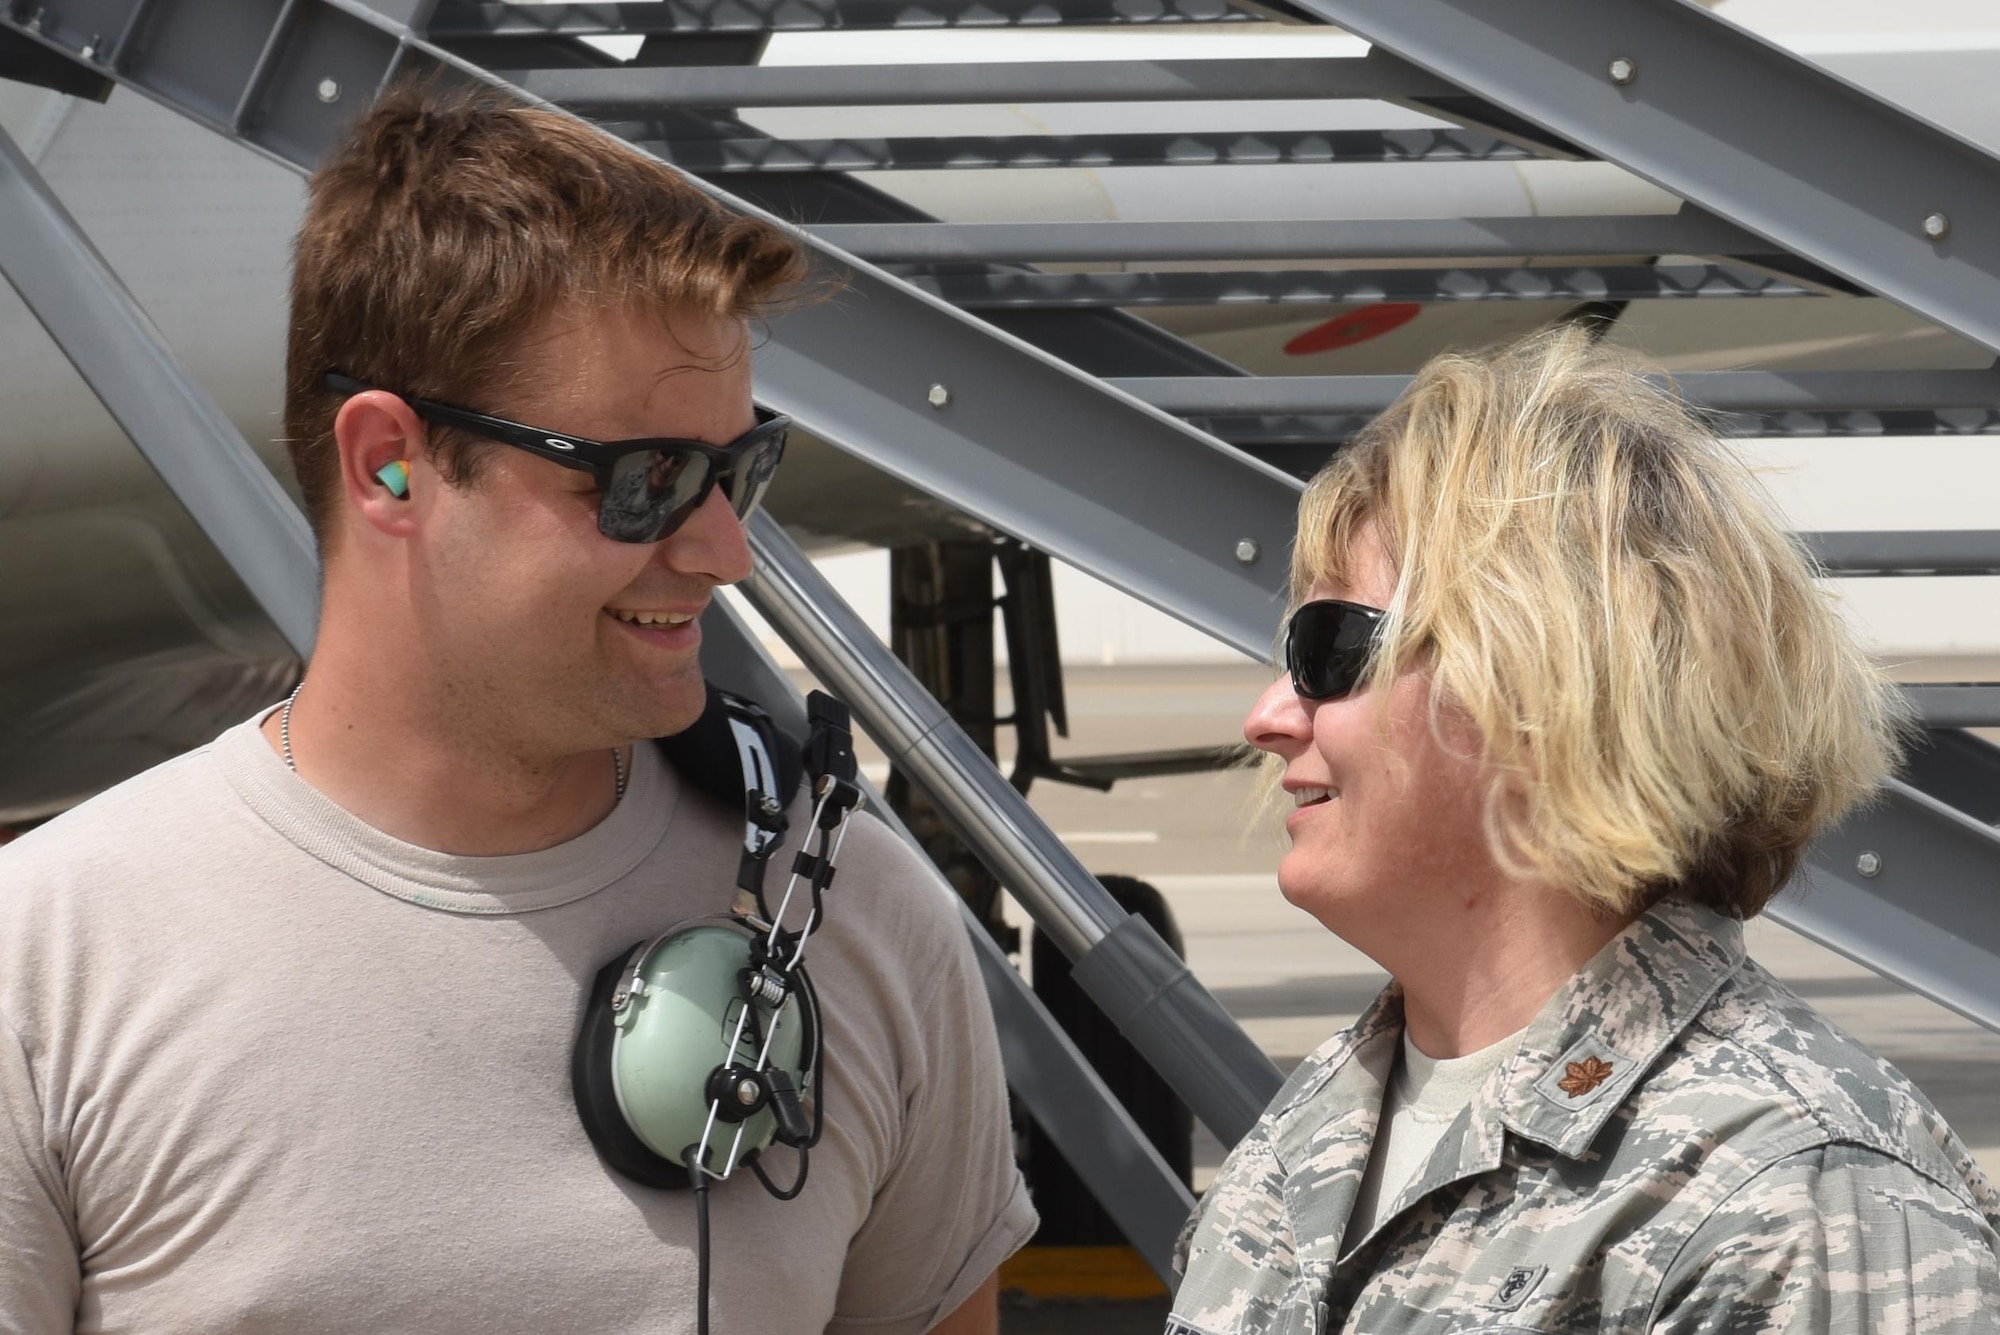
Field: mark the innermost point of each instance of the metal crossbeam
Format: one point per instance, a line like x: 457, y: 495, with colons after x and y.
x: 1725, y: 391
x: 1914, y: 552
x: 686, y: 17
x: 1733, y: 123
x: 22, y: 61
x: 1958, y: 769
x: 1299, y: 443
x: 1967, y: 704
x: 1018, y: 152
x: 1689, y: 232
x: 1000, y: 289
x: 631, y: 89
x: 1944, y: 422
x: 1908, y: 889
x: 180, y: 430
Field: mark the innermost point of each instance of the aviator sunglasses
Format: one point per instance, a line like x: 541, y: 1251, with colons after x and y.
x: 1328, y: 646
x: 648, y: 486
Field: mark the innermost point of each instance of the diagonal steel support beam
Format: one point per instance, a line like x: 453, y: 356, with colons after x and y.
x: 1910, y: 890
x: 183, y: 434
x: 1733, y: 123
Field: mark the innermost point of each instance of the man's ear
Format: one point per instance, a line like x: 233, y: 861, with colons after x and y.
x: 380, y: 439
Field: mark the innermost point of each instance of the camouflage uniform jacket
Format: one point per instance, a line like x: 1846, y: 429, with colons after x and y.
x: 1680, y: 1144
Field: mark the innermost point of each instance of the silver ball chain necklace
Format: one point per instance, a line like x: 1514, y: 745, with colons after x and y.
x: 285, y: 744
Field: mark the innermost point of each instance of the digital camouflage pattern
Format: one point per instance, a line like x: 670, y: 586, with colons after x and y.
x: 1680, y: 1144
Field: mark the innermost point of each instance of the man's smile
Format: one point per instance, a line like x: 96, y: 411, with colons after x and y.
x: 643, y: 618
x: 660, y: 627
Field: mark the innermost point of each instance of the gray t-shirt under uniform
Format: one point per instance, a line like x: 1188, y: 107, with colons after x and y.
x: 264, y: 1068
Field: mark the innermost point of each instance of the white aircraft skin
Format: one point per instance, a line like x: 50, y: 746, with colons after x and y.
x: 124, y: 639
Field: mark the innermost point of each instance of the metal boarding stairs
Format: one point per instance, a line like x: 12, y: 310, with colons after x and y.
x: 957, y: 366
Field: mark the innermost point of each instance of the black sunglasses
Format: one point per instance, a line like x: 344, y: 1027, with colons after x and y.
x: 649, y: 486
x: 1328, y: 646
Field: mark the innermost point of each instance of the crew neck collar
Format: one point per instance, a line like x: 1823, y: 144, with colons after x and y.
x: 451, y: 883
x: 1435, y: 1088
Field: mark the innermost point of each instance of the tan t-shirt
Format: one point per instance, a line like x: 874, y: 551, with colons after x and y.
x: 264, y: 1068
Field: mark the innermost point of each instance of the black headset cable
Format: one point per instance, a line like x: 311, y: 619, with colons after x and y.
x: 698, y: 1175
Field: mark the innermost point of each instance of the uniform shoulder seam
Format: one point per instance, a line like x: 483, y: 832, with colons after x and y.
x: 1845, y: 1133
x: 1771, y: 1069
x: 1687, y: 1239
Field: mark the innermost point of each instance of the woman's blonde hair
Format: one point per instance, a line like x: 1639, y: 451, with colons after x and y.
x: 1668, y: 702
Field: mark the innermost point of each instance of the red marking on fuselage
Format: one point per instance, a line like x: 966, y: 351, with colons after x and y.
x: 1344, y: 331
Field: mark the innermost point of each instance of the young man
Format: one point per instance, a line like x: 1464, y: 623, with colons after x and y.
x: 285, y: 1024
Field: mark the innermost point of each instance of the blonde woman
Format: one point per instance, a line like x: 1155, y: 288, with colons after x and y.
x: 1564, y: 707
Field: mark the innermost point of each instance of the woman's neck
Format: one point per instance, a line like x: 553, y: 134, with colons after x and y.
x: 1473, y: 982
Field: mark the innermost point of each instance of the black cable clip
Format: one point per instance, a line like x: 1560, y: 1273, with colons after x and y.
x: 786, y: 1106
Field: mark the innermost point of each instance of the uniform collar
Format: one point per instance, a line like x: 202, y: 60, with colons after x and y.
x: 1596, y: 1038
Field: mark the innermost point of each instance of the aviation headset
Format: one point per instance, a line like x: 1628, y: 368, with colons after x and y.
x: 701, y: 1046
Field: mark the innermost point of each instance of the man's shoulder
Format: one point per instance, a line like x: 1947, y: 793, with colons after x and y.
x: 134, y: 821
x: 126, y: 870
x: 1763, y: 1064
x: 889, y: 889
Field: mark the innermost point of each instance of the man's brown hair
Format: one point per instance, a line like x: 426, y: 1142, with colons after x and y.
x: 448, y: 224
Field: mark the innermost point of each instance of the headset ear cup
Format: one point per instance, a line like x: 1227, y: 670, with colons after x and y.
x: 597, y: 1100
